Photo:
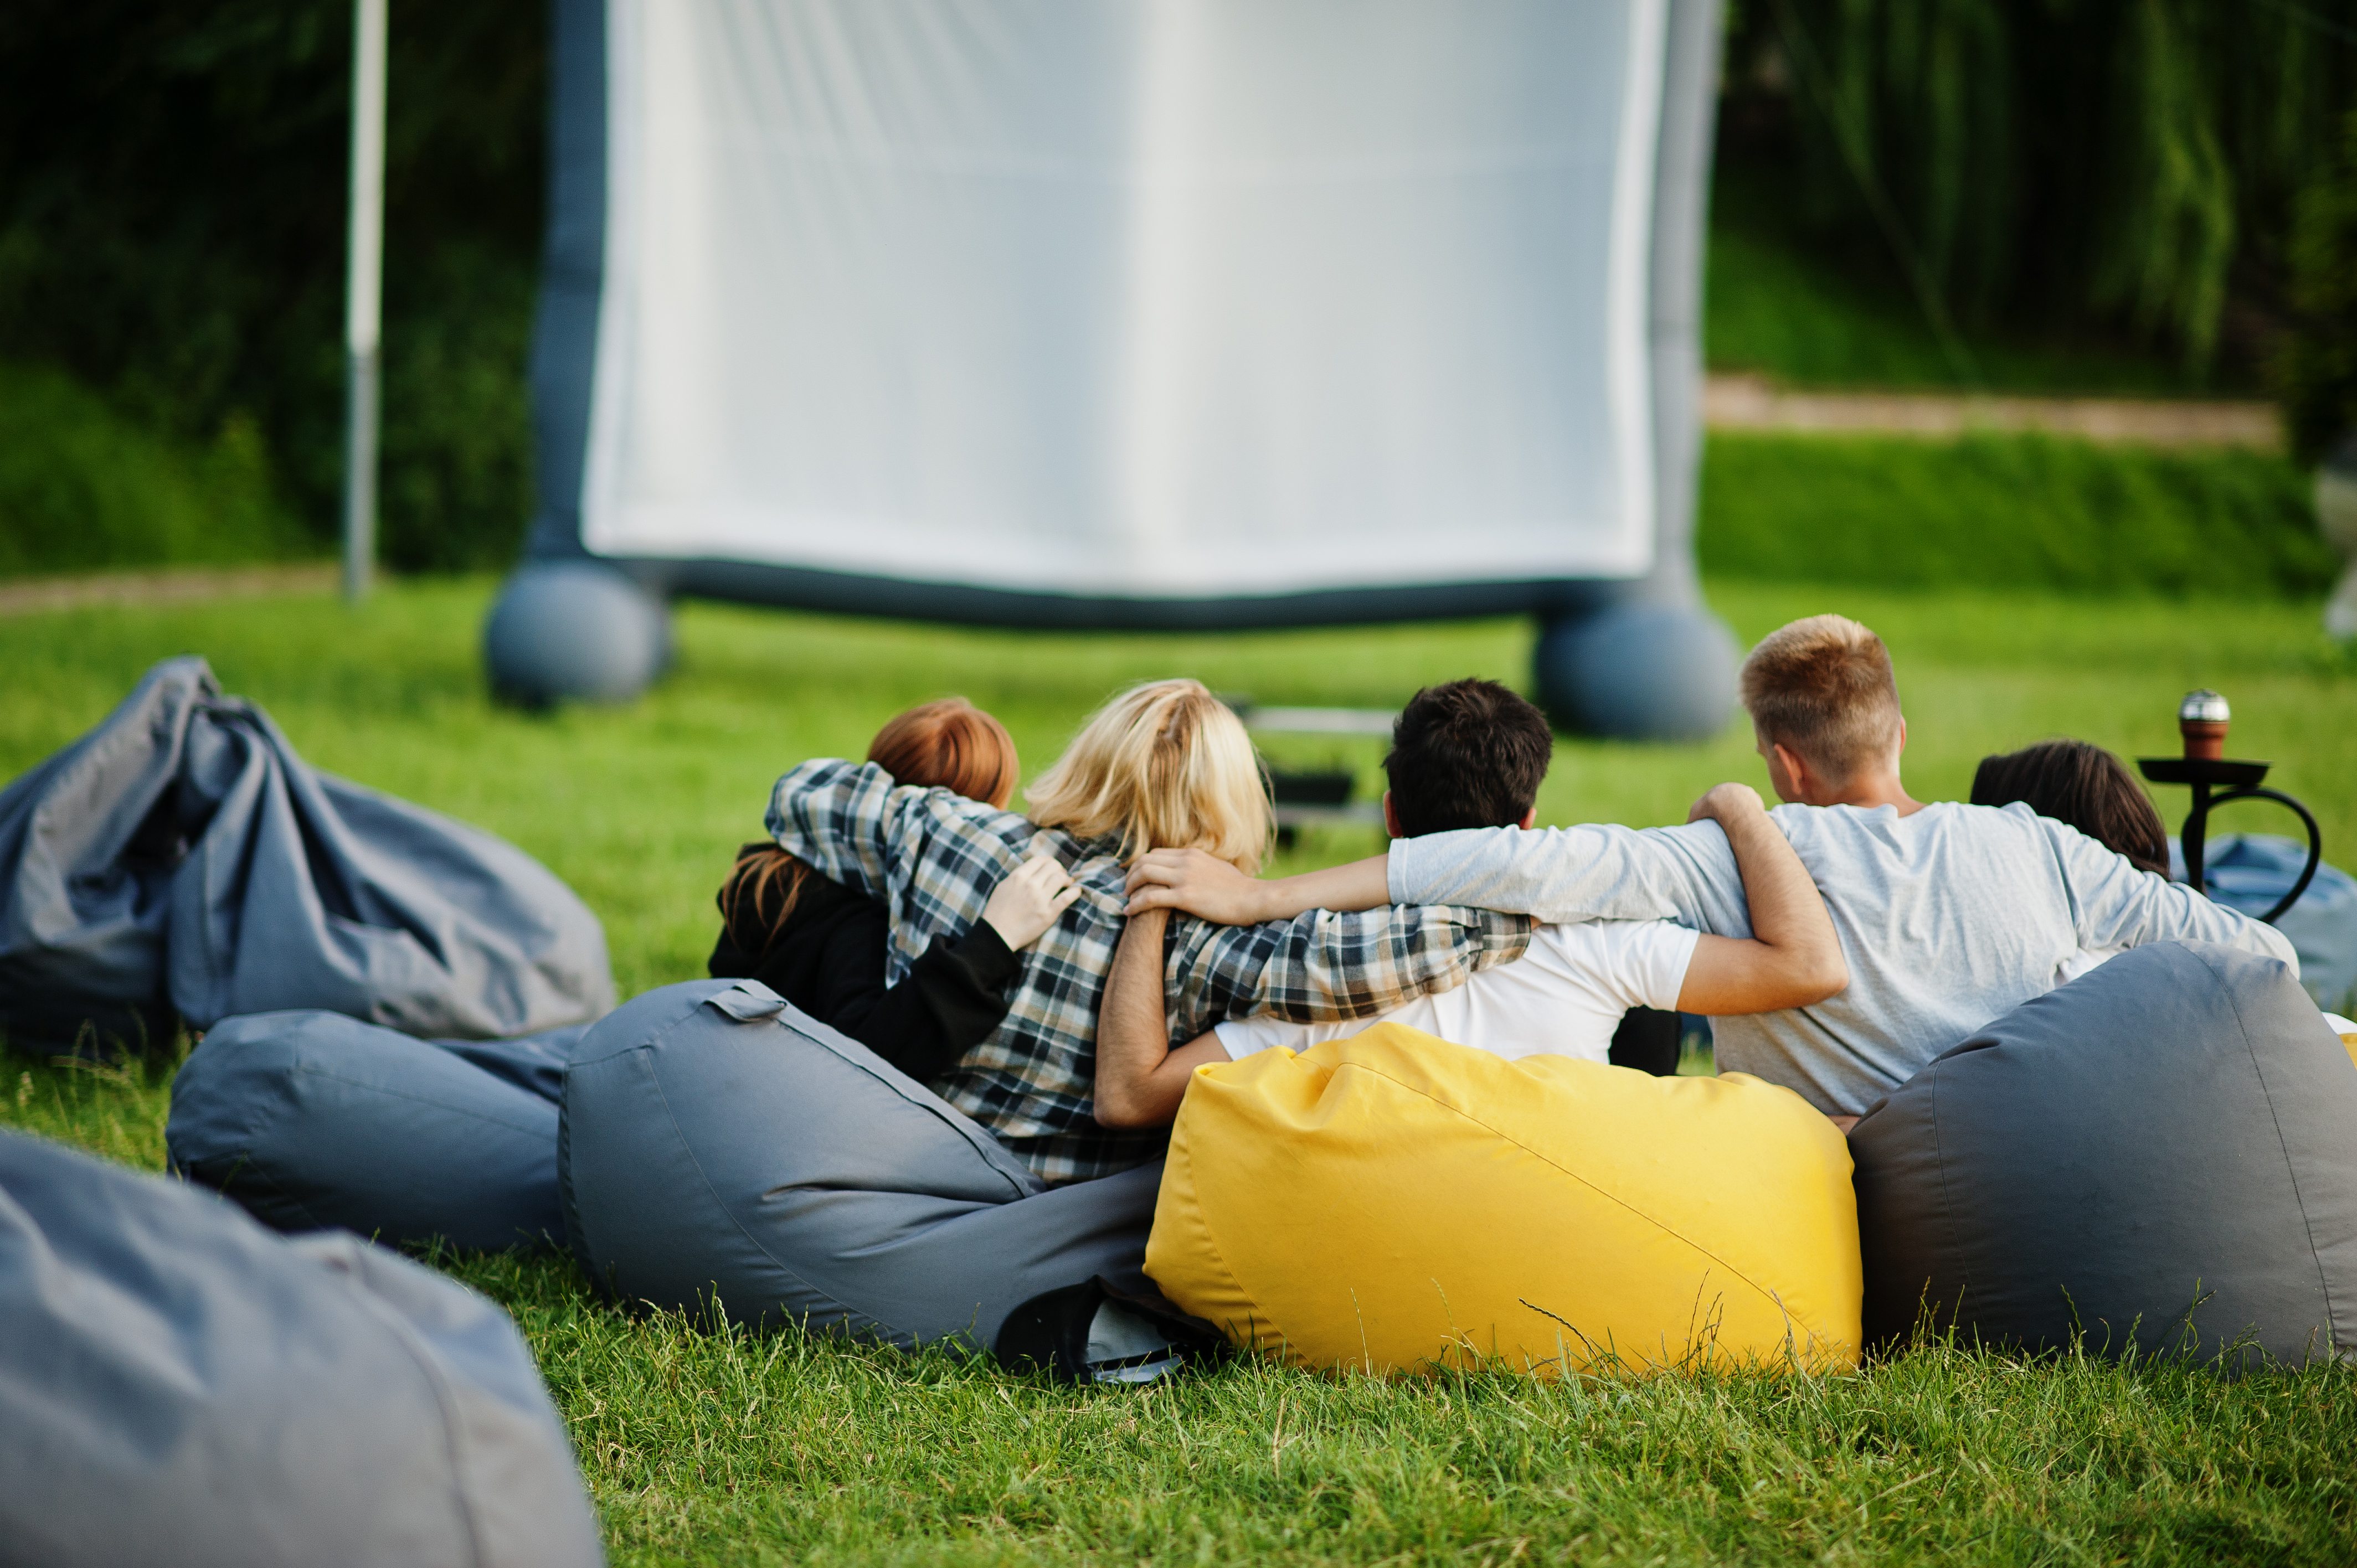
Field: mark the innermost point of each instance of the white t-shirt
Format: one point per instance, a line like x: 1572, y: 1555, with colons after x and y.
x: 2083, y: 960
x: 1562, y: 998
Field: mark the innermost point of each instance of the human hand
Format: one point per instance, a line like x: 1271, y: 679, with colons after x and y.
x: 1029, y: 900
x: 1200, y: 884
x: 1725, y: 802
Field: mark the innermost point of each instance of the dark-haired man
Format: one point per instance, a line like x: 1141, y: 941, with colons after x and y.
x: 1471, y: 753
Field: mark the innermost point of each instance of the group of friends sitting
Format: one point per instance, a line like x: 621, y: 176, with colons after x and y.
x: 1059, y: 975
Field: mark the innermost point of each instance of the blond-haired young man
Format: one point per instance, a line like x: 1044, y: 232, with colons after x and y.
x: 1949, y: 915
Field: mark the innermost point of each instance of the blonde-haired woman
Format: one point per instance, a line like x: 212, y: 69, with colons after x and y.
x: 1164, y: 765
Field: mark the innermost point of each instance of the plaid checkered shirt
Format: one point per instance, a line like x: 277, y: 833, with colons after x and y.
x: 934, y: 857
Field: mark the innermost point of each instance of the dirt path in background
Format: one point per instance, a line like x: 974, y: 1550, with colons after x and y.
x: 169, y: 587
x: 1750, y: 403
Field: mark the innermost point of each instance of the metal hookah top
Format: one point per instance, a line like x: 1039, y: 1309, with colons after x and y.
x: 2202, y: 719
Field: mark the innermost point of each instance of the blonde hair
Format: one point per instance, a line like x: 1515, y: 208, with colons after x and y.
x: 1165, y: 765
x: 1822, y: 686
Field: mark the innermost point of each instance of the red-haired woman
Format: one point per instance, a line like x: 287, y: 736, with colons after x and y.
x: 820, y: 945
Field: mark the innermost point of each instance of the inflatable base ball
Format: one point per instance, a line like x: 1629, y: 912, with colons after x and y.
x: 575, y: 630
x: 2160, y: 1156
x: 1638, y: 672
x: 1393, y: 1202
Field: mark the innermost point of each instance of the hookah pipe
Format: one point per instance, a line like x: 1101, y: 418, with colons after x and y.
x: 2202, y: 719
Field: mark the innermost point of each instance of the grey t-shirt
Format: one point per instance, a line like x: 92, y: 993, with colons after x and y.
x: 1948, y: 919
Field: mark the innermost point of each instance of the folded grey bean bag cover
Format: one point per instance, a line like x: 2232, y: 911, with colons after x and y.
x: 2161, y: 1154
x: 721, y: 1147
x: 182, y: 856
x: 312, y: 1119
x: 179, y: 1386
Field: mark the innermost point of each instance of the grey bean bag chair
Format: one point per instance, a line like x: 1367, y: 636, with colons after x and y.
x: 312, y: 1119
x: 177, y: 1385
x: 182, y: 856
x: 720, y: 1146
x: 2178, y: 1125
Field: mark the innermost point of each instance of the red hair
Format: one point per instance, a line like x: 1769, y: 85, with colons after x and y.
x: 948, y: 744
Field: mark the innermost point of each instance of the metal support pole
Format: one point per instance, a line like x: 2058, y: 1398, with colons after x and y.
x: 363, y: 290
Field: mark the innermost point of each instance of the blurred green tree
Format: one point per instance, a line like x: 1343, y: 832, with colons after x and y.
x: 2133, y: 161
x: 2319, y: 365
x: 172, y: 191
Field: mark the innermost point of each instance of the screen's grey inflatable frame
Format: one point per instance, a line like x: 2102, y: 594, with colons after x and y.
x: 1640, y: 659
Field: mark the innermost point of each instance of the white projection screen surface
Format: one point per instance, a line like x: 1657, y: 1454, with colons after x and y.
x: 1164, y: 299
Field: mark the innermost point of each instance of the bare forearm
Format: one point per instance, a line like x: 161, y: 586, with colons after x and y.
x: 1132, y: 1039
x: 1213, y: 890
x: 1786, y: 912
x: 1361, y: 884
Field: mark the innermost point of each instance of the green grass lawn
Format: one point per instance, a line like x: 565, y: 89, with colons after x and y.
x: 719, y: 1448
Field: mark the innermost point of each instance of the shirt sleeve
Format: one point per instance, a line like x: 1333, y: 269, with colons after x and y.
x: 931, y: 854
x: 1644, y: 962
x: 1564, y: 876
x: 1323, y: 964
x: 839, y: 819
x: 1241, y: 1038
x: 2113, y: 905
x: 949, y: 1000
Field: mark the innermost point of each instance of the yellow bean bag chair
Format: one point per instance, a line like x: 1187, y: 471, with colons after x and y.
x: 1393, y: 1201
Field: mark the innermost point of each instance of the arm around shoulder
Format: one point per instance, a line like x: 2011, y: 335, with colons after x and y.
x: 1598, y: 871
x: 838, y: 817
x: 1793, y: 957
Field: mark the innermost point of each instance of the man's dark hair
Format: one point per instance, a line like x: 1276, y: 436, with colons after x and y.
x: 1467, y: 755
x: 2076, y: 782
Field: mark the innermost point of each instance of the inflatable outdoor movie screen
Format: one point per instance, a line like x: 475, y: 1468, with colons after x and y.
x: 1128, y: 313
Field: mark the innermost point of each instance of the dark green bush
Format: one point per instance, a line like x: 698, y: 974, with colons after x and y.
x: 2001, y: 512
x: 2134, y: 162
x: 81, y: 487
x: 172, y: 211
